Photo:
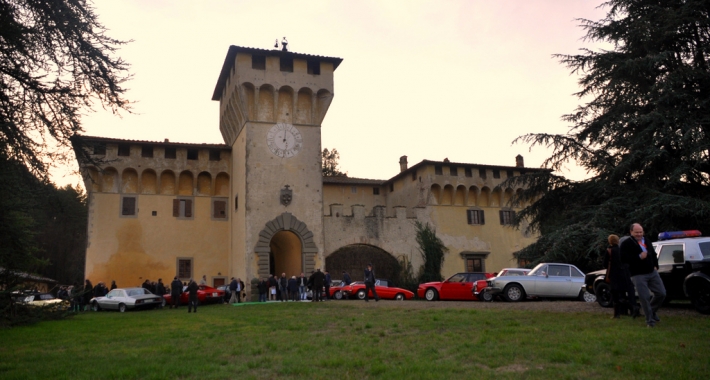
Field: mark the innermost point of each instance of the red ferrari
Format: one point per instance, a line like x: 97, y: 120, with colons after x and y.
x: 206, y: 294
x: 457, y: 287
x: 384, y: 291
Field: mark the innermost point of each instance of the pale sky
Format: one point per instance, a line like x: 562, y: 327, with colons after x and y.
x: 426, y: 79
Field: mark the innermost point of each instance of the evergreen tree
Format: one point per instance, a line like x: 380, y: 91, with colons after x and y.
x: 432, y: 250
x: 329, y: 163
x: 643, y: 133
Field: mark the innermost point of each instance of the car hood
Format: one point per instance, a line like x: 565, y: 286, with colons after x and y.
x: 433, y: 283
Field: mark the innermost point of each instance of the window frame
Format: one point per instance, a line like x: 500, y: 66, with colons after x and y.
x: 178, y: 272
x: 213, y: 209
x: 480, y: 217
x: 506, y: 217
x: 122, y: 205
x: 189, y: 202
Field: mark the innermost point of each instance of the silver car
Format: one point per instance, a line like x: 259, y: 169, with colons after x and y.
x: 550, y: 280
x: 127, y: 299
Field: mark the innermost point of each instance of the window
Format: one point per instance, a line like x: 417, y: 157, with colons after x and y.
x: 100, y: 149
x: 219, y: 209
x: 128, y: 206
x: 482, y: 173
x: 353, y: 189
x: 184, y: 268
x: 558, y: 270
x: 286, y: 65
x: 314, y: 67
x: 375, y: 191
x: 182, y: 208
x: 170, y: 153
x: 496, y: 173
x: 236, y: 202
x: 258, y: 62
x: 507, y: 217
x: 391, y: 187
x: 475, y: 217
x: 414, y: 175
x: 438, y: 170
x: 671, y: 254
x: 454, y: 171
x: 147, y: 151
x: 124, y: 150
x: 192, y: 154
x: 474, y: 264
x: 467, y: 172
x: 214, y: 155
x: 509, y: 173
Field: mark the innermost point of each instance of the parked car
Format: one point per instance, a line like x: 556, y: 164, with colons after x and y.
x: 383, y: 288
x: 683, y: 265
x: 456, y: 287
x: 123, y: 299
x: 549, y: 280
x: 336, y: 291
x: 480, y: 287
x: 35, y: 298
x: 205, y: 294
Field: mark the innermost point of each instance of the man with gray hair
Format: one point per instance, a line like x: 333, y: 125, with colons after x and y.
x: 642, y: 259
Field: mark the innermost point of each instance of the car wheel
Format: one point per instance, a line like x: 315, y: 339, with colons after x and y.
x: 587, y: 297
x: 485, y: 296
x: 603, y: 293
x: 95, y: 306
x: 701, y: 298
x: 338, y: 295
x: 399, y: 297
x: 514, y: 293
x: 431, y: 295
x: 361, y: 294
x: 122, y: 308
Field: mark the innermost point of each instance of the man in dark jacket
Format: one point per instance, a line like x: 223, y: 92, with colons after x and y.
x: 192, y: 301
x: 370, y: 283
x: 233, y: 290
x: 639, y: 254
x: 263, y: 287
x: 317, y: 279
x: 283, y: 287
x: 175, y: 292
x: 326, y: 283
x: 293, y: 288
x: 160, y: 289
x: 346, y: 278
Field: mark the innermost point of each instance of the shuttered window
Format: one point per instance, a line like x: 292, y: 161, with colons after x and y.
x: 219, y: 209
x: 182, y: 208
x: 507, y: 217
x: 129, y: 206
x: 475, y: 217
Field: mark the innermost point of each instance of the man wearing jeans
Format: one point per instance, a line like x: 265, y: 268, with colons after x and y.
x: 302, y: 287
x: 642, y: 259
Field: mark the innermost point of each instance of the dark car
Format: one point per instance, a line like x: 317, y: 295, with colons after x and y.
x: 683, y: 265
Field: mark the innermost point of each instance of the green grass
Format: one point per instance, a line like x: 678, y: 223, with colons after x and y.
x: 354, y: 340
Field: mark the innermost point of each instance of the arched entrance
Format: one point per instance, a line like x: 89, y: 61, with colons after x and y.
x: 353, y: 259
x: 285, y: 256
x: 277, y: 250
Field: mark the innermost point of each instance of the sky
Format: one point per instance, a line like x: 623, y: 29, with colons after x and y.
x: 427, y: 79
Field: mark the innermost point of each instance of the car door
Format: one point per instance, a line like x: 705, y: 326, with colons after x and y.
x: 112, y: 299
x: 671, y: 267
x: 453, y: 288
x: 557, y: 283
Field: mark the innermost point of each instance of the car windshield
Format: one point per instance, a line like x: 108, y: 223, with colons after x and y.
x: 539, y: 270
x: 513, y: 273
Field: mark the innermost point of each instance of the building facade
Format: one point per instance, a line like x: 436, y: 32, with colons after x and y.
x: 258, y: 204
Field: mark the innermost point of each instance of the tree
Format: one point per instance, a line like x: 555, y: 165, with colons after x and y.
x: 643, y: 134
x: 330, y: 163
x: 432, y: 250
x: 55, y: 63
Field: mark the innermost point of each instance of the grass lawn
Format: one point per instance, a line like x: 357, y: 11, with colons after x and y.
x: 355, y: 340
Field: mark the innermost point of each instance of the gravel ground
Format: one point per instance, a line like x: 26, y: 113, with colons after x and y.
x: 554, y: 306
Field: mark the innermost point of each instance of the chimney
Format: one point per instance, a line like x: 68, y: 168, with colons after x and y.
x: 402, y: 163
x: 166, y: 140
x: 519, y: 161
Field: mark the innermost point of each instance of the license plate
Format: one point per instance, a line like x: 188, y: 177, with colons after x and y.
x: 214, y: 294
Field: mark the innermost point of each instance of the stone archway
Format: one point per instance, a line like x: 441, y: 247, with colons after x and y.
x: 281, y: 234
x: 354, y: 257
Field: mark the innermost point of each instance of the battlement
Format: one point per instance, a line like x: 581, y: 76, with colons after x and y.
x: 381, y: 212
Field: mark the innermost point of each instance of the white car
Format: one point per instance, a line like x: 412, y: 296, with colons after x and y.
x: 549, y: 280
x: 127, y: 299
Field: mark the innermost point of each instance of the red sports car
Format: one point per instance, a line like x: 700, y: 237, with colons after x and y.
x: 479, y: 288
x: 384, y: 291
x: 457, y: 287
x: 206, y: 294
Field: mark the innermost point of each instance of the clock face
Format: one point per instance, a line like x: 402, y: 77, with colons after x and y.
x: 284, y: 140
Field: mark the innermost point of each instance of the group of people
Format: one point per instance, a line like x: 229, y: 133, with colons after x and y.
x: 80, y: 296
x: 632, y: 267
x: 282, y: 288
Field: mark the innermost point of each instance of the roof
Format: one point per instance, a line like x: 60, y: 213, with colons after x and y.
x: 342, y: 180
x: 163, y: 143
x: 232, y: 54
x: 461, y: 165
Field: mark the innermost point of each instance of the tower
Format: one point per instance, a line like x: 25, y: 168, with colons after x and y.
x: 272, y: 104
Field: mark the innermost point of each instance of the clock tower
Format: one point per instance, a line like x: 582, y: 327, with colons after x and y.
x: 272, y: 104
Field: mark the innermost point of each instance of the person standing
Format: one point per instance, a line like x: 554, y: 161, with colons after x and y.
x: 642, y: 260
x: 370, y: 283
x: 317, y: 279
x: 192, y: 301
x: 113, y: 284
x: 175, y: 292
x: 283, y: 287
x: 263, y: 287
x: 293, y: 288
x: 272, y: 288
x: 204, y: 280
x: 88, y: 294
x: 302, y: 287
x: 240, y: 290
x: 160, y: 290
x: 619, y: 279
x: 346, y: 278
x: 233, y: 289
x: 327, y: 285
